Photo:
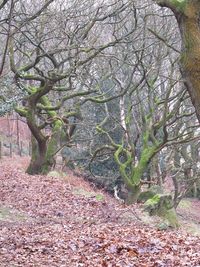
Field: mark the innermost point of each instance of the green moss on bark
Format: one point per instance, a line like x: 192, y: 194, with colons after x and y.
x: 132, y: 174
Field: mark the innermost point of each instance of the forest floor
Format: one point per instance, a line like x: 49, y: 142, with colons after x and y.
x: 65, y: 222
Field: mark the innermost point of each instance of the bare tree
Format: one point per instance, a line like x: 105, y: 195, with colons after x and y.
x: 48, y: 62
x: 187, y: 15
x: 150, y: 111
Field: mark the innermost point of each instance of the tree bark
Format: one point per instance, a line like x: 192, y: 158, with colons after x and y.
x: 43, y: 152
x: 38, y: 152
x: 187, y: 14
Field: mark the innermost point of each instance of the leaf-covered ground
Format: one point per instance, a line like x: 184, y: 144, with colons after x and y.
x: 61, y: 222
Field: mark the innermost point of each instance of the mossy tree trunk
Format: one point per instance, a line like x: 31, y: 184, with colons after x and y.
x: 132, y: 173
x: 39, y: 114
x: 133, y: 194
x: 38, y: 153
x: 42, y: 156
x: 44, y: 146
x: 187, y: 14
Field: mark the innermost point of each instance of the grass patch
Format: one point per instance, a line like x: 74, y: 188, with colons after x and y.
x: 99, y: 197
x: 185, y: 204
x: 191, y: 228
x: 11, y: 215
x: 85, y: 193
x: 56, y: 174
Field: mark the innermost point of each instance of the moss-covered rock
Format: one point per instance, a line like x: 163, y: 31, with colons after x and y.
x: 162, y: 206
x: 148, y: 194
x: 144, y: 196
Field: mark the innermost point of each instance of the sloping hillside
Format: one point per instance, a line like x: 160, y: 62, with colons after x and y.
x: 63, y: 221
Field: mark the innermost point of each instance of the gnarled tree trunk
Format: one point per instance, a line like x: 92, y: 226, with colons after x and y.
x: 38, y: 152
x: 44, y: 150
x: 187, y: 14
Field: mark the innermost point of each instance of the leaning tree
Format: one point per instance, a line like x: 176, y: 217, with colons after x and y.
x: 187, y: 13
